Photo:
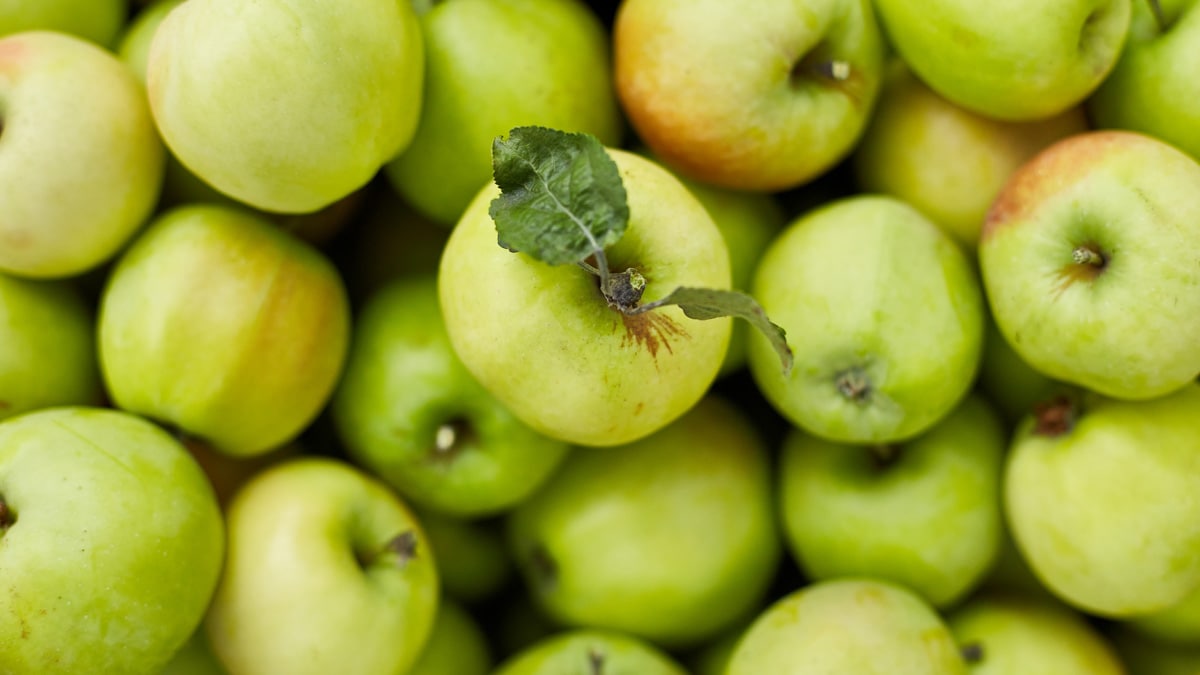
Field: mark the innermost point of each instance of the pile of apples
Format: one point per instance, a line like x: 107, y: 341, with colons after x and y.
x: 279, y: 396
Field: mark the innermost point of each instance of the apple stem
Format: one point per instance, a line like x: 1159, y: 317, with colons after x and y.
x: 836, y: 70
x: 1055, y: 417
x: 1088, y: 255
x: 403, y: 546
x: 543, y: 565
x: 972, y: 652
x: 596, y: 661
x: 854, y: 385
x: 1157, y: 10
x: 6, y: 518
x: 884, y: 455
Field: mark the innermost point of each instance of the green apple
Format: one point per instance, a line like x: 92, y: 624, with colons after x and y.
x: 1145, y: 656
x: 545, y: 342
x: 1179, y: 623
x: 1009, y: 382
x: 327, y: 571
x: 472, y: 557
x: 1100, y: 496
x: 924, y: 514
x: 758, y: 100
x: 623, y: 538
x: 1154, y: 86
x: 590, y: 652
x: 1014, y: 635
x: 96, y: 20
x: 492, y: 66
x: 265, y: 102
x: 195, y: 657
x: 849, y: 625
x: 864, y: 286
x: 1089, y: 261
x: 1011, y: 574
x: 224, y: 326
x: 111, y: 543
x: 80, y: 164
x: 456, y: 645
x: 947, y: 161
x: 134, y: 45
x: 1017, y: 60
x: 47, y: 347
x: 409, y: 411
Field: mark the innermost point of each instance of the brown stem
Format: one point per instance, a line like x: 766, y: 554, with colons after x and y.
x: 1055, y: 417
x: 6, y: 516
x: 1157, y: 10
x: 854, y: 385
x: 884, y: 455
x: 972, y: 652
x: 402, y: 547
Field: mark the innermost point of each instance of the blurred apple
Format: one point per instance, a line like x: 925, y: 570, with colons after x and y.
x: 1179, y: 623
x: 80, y: 164
x: 588, y: 652
x: 96, y: 20
x: 1145, y: 656
x: 472, y: 557
x: 456, y: 645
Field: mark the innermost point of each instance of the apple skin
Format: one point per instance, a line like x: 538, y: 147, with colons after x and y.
x: 577, y: 653
x: 543, y: 340
x: 224, y: 326
x: 134, y: 45
x: 97, y: 21
x: 863, y: 286
x: 945, y: 160
x: 1084, y: 498
x: 116, y: 546
x: 76, y: 182
x: 1014, y: 60
x: 403, y: 387
x: 279, y: 123
x: 849, y: 625
x: 308, y: 586
x: 47, y: 347
x: 777, y: 121
x: 924, y: 514
x: 456, y: 645
x: 1154, y: 86
x: 493, y: 66
x: 1128, y: 326
x: 622, y: 538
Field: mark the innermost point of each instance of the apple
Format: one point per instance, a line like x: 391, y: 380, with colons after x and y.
x: 1145, y: 656
x: 756, y: 100
x: 1089, y: 259
x: 133, y: 47
x: 1011, y: 574
x: 865, y: 286
x: 545, y: 342
x: 492, y: 66
x: 1019, y: 60
x: 47, y: 347
x: 472, y: 557
x: 98, y: 21
x: 947, y: 161
x: 1099, y: 494
x: 327, y: 571
x: 223, y: 326
x: 456, y: 645
x: 278, y: 122
x: 1014, y: 635
x: 849, y: 625
x: 408, y: 411
x: 1179, y: 623
x: 1154, y: 86
x: 111, y: 543
x: 671, y: 538
x: 81, y: 163
x: 924, y: 514
x: 590, y: 652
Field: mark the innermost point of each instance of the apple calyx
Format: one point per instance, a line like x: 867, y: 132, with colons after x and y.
x: 595, y: 661
x: 972, y: 652
x: 450, y: 438
x: 1055, y: 417
x: 854, y: 385
x: 7, y: 518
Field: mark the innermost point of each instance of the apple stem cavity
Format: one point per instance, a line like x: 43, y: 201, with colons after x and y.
x: 884, y: 455
x: 6, y: 516
x: 854, y: 385
x: 1159, y: 16
x: 972, y: 653
x: 402, y: 548
x: 1055, y: 417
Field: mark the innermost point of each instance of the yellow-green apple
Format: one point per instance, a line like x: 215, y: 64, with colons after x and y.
x: 98, y: 21
x: 1156, y: 83
x: 472, y: 557
x: 546, y: 342
x: 758, y: 100
x: 1146, y: 656
x: 1100, y: 496
x: 947, y: 161
x: 76, y: 181
x: 865, y: 286
x: 47, y: 347
x: 590, y: 652
x: 924, y: 514
x: 1091, y: 263
x: 134, y: 45
x: 850, y: 625
x: 327, y: 571
x: 1008, y: 634
x: 1014, y: 60
x: 456, y: 645
x: 286, y: 105
x: 492, y: 66
x: 1179, y: 623
x: 622, y: 538
x: 224, y: 326
x: 111, y: 543
x: 407, y: 410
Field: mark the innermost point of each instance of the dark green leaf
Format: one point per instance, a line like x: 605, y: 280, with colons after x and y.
x: 710, y: 303
x: 561, y: 197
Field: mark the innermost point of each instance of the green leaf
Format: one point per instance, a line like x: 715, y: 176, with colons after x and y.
x: 710, y: 303
x: 561, y: 197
